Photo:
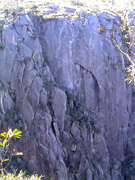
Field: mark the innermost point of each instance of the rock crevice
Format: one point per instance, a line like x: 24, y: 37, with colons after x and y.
x: 69, y: 99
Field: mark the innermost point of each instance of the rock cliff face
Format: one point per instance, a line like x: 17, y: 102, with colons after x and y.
x: 63, y: 85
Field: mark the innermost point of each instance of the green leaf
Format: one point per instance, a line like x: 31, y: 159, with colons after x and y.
x: 4, y: 134
x: 6, y: 159
x: 1, y: 144
x: 4, y: 142
x: 17, y: 133
x: 18, y: 136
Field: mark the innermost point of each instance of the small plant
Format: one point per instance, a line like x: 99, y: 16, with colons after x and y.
x: 128, y: 52
x: 34, y: 35
x: 2, y: 46
x: 101, y: 29
x: 5, y: 154
x: 34, y: 6
x: 1, y: 27
x: 20, y: 176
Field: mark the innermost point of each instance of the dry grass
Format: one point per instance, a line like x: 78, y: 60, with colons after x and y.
x: 117, y: 6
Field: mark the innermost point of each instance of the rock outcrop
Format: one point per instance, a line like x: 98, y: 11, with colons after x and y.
x: 62, y: 83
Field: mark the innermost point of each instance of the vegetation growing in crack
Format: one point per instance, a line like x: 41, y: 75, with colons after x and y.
x: 2, y: 46
x: 128, y: 166
x: 128, y: 51
x: 75, y: 108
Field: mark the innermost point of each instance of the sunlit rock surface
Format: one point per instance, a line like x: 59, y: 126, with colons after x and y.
x: 62, y: 83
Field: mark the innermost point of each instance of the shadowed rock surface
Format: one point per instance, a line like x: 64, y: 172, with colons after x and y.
x: 63, y: 86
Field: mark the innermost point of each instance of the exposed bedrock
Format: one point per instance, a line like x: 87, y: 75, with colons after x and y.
x: 63, y: 84
x: 84, y: 60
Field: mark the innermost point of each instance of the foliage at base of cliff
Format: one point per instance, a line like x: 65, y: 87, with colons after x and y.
x: 20, y: 176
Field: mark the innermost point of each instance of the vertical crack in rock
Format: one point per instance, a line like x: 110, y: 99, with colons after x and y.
x: 77, y: 126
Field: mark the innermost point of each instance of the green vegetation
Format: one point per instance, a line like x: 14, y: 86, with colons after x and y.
x: 11, y: 8
x: 5, y: 141
x: 6, y: 156
x: 20, y: 176
x: 126, y: 47
x: 128, y: 166
x: 2, y: 46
